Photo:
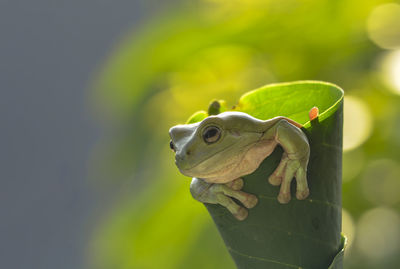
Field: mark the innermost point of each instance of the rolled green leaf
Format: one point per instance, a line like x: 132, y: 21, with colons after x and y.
x: 302, y: 233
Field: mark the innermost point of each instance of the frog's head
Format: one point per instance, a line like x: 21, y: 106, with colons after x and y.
x: 214, y: 146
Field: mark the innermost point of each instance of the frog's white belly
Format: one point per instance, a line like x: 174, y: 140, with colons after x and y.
x: 244, y: 164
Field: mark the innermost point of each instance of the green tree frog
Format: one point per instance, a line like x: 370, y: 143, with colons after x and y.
x: 218, y: 151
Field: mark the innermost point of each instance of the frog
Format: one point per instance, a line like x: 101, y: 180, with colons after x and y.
x: 220, y: 150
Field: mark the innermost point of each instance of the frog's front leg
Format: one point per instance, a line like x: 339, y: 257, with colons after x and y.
x: 214, y: 193
x: 293, y: 163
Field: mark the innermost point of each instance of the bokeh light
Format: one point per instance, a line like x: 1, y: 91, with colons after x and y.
x: 378, y: 234
x: 383, y: 26
x: 357, y: 122
x: 381, y: 182
x: 391, y: 70
x: 353, y: 163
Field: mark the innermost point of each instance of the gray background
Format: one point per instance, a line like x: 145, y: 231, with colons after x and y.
x: 49, y: 51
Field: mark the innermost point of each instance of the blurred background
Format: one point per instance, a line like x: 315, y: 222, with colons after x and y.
x: 89, y: 90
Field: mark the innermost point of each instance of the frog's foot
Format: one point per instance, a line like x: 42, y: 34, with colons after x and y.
x: 283, y: 175
x: 222, y: 194
x: 247, y: 199
x: 240, y: 213
x: 236, y: 184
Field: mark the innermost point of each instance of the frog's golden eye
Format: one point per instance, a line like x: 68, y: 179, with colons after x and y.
x: 211, y: 134
x: 171, y: 145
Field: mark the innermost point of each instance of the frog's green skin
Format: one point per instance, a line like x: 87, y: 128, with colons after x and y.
x: 222, y: 148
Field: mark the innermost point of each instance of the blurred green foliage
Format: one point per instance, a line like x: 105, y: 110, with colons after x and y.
x: 218, y: 49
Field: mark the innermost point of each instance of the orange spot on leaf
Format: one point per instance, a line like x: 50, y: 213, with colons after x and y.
x: 313, y: 114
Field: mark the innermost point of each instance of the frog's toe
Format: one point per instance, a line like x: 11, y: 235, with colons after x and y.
x: 247, y: 199
x: 236, y: 184
x: 275, y: 180
x: 284, y: 198
x: 241, y: 214
x: 277, y: 176
x: 251, y: 201
x: 302, y: 186
x: 237, y: 211
x: 301, y: 195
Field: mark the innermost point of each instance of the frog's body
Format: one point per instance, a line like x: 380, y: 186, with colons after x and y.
x: 221, y: 149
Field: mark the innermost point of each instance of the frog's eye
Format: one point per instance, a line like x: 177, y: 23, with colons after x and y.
x: 171, y: 145
x: 211, y: 134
